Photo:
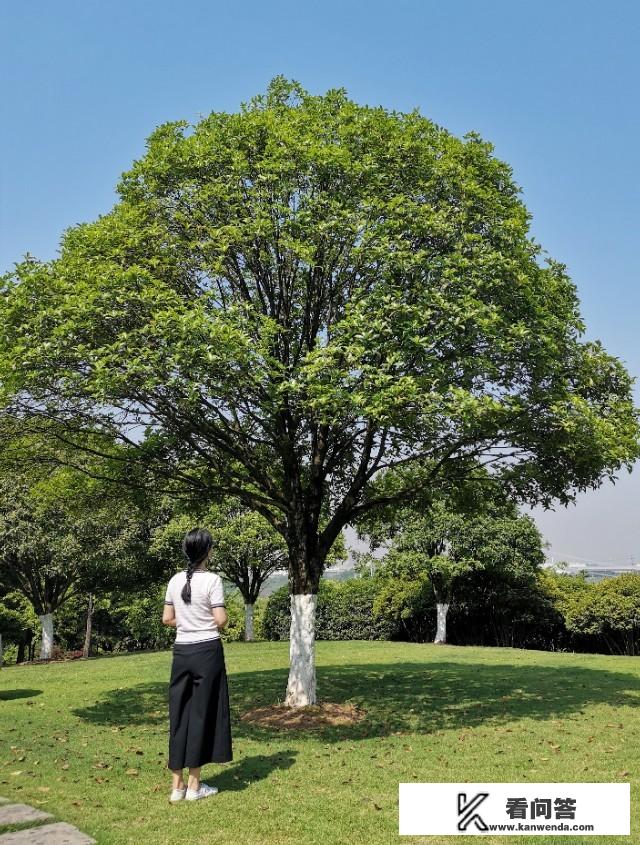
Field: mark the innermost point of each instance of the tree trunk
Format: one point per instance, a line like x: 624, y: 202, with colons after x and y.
x: 301, y: 687
x: 46, y: 644
x: 441, y: 628
x: 86, y: 651
x: 20, y: 655
x: 248, y: 623
x: 0, y: 651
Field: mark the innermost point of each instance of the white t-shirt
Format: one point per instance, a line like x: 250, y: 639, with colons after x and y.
x: 194, y: 621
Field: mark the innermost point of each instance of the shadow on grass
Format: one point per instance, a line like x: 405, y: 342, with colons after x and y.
x: 401, y: 697
x: 9, y: 694
x: 237, y: 776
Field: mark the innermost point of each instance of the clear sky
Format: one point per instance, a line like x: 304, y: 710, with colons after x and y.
x: 553, y: 85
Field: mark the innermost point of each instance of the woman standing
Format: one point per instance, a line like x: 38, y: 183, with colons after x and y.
x: 199, y: 718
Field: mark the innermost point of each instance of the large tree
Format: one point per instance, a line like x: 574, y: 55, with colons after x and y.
x: 289, y: 298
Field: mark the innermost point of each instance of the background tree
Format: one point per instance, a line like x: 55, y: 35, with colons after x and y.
x: 22, y: 635
x: 449, y: 535
x: 287, y: 299
x: 62, y: 534
x: 14, y: 628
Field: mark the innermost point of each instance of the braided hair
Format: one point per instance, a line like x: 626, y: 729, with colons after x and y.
x: 196, y: 546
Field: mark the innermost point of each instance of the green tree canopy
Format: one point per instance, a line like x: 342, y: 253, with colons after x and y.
x: 63, y: 531
x: 289, y: 298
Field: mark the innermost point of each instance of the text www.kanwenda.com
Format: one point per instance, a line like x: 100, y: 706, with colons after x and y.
x: 524, y: 826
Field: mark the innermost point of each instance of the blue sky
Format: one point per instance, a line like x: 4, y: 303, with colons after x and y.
x: 553, y: 85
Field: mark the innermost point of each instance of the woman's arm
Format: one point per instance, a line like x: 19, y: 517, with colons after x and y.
x: 220, y: 616
x: 169, y: 616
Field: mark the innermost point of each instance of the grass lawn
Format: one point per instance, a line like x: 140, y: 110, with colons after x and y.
x: 87, y: 740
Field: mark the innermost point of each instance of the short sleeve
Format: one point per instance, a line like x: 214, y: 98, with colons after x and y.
x: 168, y: 599
x: 216, y: 592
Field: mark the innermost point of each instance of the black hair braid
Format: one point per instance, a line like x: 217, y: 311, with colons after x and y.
x: 186, y: 590
x: 196, y: 546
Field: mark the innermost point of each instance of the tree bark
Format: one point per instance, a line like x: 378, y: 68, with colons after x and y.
x: 301, y: 687
x: 21, y: 649
x: 0, y: 651
x: 46, y: 643
x: 86, y: 651
x: 248, y: 623
x: 441, y: 627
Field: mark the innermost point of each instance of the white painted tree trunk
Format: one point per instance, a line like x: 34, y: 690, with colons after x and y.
x: 46, y: 645
x: 441, y: 627
x: 301, y: 688
x: 248, y: 622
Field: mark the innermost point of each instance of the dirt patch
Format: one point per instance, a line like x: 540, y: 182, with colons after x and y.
x: 325, y: 714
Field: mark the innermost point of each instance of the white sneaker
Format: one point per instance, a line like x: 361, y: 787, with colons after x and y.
x: 203, y: 792
x: 177, y: 795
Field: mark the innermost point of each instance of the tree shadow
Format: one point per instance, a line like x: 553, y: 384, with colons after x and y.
x: 10, y: 694
x: 406, y: 697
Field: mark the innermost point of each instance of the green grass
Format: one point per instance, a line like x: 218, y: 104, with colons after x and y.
x: 70, y: 732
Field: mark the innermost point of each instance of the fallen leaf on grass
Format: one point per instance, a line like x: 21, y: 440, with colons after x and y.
x: 131, y: 772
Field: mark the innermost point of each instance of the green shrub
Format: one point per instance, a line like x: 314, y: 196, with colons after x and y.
x: 234, y: 629
x: 259, y: 609
x: 610, y: 610
x: 408, y: 607
x: 344, y: 611
x: 276, y: 618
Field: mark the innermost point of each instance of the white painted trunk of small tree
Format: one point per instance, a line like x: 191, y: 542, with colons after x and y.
x: 301, y: 688
x: 441, y: 626
x: 46, y: 644
x: 248, y: 622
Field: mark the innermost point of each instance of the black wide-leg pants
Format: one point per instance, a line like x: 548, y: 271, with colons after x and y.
x: 199, y: 716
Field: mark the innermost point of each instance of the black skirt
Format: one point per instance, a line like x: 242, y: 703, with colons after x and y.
x: 199, y: 717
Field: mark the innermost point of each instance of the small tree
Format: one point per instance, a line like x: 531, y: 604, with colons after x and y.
x: 475, y: 527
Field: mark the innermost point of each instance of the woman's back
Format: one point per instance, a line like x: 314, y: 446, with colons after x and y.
x: 194, y: 620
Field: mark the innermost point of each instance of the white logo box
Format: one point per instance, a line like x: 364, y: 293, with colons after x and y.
x: 480, y: 809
